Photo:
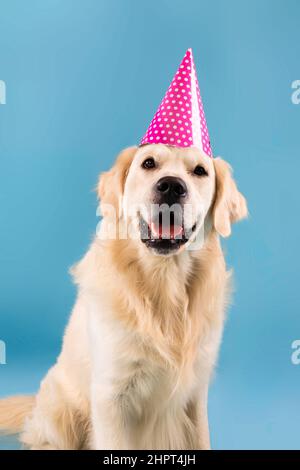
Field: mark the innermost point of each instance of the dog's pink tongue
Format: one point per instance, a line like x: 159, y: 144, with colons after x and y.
x: 162, y: 231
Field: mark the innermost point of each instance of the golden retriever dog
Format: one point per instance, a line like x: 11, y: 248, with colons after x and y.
x: 143, y: 338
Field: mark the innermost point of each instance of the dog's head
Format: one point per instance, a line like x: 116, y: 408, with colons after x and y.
x: 170, y: 196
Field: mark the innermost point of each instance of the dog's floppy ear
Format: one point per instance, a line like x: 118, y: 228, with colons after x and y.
x: 111, y: 183
x: 230, y: 205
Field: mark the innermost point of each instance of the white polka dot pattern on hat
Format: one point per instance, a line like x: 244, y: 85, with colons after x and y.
x: 178, y: 121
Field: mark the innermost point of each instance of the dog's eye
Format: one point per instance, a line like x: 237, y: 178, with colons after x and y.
x: 148, y: 163
x: 200, y: 171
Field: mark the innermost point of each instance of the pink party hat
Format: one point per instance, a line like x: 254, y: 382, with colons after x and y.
x: 180, y: 120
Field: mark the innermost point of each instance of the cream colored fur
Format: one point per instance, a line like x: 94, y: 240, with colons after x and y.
x: 144, y: 334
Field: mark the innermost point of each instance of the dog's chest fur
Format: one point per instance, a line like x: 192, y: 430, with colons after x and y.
x: 150, y: 395
x: 154, y: 334
x: 154, y: 329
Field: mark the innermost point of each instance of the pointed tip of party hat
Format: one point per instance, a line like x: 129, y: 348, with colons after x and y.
x: 180, y: 119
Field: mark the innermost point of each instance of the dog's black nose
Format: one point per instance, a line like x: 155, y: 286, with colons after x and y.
x: 171, y: 189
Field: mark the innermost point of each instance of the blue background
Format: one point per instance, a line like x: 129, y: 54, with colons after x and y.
x: 83, y: 81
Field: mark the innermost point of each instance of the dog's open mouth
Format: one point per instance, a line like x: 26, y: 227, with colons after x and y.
x: 165, y: 234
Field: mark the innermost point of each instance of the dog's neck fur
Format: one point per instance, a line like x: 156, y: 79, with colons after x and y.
x: 162, y: 297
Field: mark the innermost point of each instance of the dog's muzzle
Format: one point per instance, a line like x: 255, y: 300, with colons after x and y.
x: 166, y: 232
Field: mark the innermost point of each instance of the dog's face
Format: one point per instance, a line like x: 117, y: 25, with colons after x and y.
x: 169, y: 195
x: 169, y: 191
